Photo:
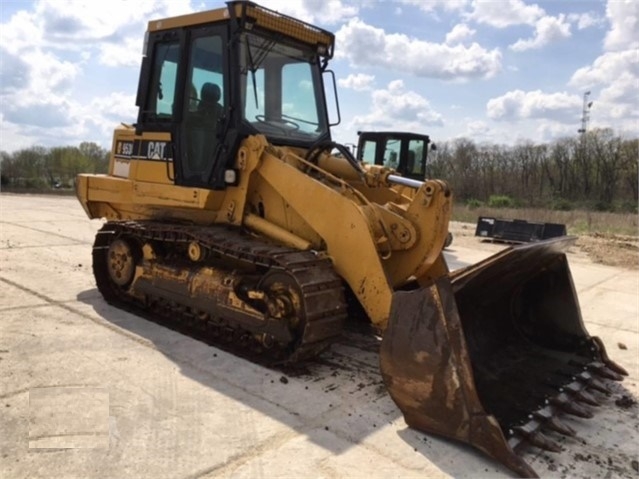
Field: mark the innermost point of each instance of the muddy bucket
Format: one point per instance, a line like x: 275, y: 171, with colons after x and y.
x: 495, y: 353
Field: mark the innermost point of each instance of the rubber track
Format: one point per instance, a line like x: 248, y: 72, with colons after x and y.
x: 314, y: 275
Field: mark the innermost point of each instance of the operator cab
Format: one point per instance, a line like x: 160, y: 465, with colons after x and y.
x: 404, y: 152
x: 211, y: 79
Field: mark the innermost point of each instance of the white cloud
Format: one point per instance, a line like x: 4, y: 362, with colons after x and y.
x: 357, y: 81
x: 527, y: 131
x: 397, y: 108
x: 20, y: 32
x: 433, y: 5
x: 115, y: 107
x: 14, y: 72
x: 613, y: 77
x: 88, y: 25
x: 505, y: 13
x: 519, y: 105
x: 585, y: 20
x: 30, y: 77
x: 13, y: 136
x: 41, y: 112
x: 606, y: 69
x: 365, y: 45
x: 87, y: 21
x: 549, y: 131
x: 624, y: 24
x: 547, y: 30
x: 616, y: 77
x: 127, y: 53
x: 619, y: 99
x: 44, y: 53
x: 63, y: 121
x: 477, y: 127
x: 314, y: 11
x: 459, y: 33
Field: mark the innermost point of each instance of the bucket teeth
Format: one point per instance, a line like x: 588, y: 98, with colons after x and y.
x: 551, y: 422
x: 561, y: 427
x: 571, y: 407
x: 577, y: 390
x: 593, y: 383
x: 605, y: 372
x: 587, y: 398
x: 537, y: 438
x: 597, y: 385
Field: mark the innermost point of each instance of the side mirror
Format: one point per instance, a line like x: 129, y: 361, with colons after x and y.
x: 332, y: 103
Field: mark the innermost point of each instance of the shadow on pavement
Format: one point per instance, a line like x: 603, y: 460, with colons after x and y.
x: 341, y: 391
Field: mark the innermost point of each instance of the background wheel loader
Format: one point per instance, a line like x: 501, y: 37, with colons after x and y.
x: 404, y: 152
x: 227, y: 212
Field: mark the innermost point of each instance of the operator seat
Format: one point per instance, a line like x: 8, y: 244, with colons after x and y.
x: 210, y: 95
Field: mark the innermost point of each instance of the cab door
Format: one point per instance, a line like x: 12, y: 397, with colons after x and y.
x: 182, y: 97
x: 148, y: 153
x: 204, y: 110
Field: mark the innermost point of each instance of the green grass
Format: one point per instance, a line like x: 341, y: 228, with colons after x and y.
x: 578, y: 222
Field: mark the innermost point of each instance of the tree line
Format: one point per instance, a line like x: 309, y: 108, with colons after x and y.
x: 43, y: 168
x: 596, y: 170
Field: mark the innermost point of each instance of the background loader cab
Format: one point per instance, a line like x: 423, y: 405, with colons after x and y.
x: 406, y: 153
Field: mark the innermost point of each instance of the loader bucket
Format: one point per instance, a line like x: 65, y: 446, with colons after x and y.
x: 495, y: 353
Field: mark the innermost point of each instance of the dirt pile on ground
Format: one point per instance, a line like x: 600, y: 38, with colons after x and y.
x: 609, y: 249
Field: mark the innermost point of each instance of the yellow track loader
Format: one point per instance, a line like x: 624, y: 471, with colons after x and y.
x: 227, y: 211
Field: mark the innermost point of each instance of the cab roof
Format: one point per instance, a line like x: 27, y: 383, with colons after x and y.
x: 251, y: 15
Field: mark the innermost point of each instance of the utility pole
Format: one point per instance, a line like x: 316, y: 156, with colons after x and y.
x: 585, y: 114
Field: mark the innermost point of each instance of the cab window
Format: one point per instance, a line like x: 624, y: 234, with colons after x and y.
x: 203, y: 108
x: 161, y: 100
x: 416, y: 150
x: 205, y: 81
x: 392, y: 153
x: 369, y: 149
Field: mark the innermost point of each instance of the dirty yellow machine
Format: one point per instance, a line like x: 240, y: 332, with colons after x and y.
x: 228, y: 212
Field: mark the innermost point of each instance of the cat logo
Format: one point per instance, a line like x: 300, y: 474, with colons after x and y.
x: 155, y: 150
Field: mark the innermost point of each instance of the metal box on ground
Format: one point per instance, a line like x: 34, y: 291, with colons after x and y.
x: 517, y: 231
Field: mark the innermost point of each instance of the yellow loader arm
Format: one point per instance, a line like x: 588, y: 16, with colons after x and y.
x: 374, y: 247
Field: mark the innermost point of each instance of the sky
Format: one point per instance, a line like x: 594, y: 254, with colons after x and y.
x: 496, y: 72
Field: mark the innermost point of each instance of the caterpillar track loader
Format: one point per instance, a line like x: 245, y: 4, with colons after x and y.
x: 227, y: 212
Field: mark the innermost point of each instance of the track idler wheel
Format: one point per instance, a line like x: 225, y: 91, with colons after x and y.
x: 284, y: 300
x: 121, y: 262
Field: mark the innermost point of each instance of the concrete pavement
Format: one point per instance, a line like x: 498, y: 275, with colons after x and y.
x: 89, y: 391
